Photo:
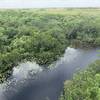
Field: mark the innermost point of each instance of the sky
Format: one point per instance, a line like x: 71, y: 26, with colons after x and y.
x: 48, y: 3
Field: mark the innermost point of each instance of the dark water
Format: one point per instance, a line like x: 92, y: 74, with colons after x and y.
x: 49, y: 83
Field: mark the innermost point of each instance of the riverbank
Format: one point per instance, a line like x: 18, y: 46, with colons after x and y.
x: 84, y: 85
x: 47, y: 83
x: 84, y: 44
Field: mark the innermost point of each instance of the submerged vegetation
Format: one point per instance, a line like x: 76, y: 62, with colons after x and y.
x: 42, y: 35
x: 85, y: 85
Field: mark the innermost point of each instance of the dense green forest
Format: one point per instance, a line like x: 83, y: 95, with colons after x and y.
x: 85, y: 85
x: 42, y: 35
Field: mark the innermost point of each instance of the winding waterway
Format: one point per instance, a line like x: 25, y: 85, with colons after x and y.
x: 30, y: 81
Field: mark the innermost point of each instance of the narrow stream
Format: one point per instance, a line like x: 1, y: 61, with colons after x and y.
x: 47, y: 84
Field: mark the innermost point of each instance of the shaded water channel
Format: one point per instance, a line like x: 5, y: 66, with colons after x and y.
x: 47, y: 84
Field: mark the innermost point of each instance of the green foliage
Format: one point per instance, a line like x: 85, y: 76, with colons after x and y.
x: 42, y: 35
x: 85, y: 84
